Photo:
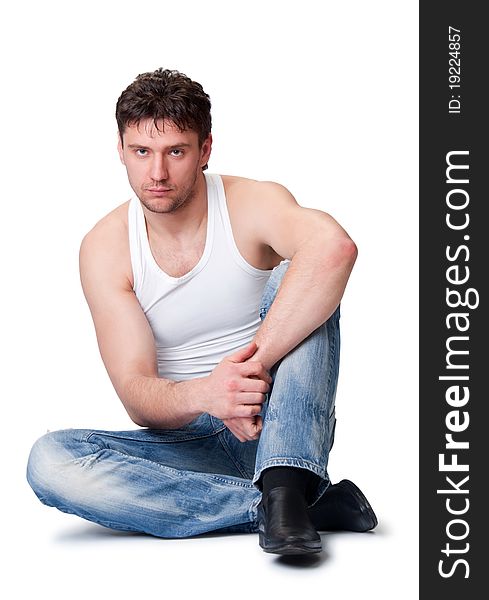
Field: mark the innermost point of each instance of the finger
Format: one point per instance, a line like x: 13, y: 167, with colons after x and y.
x: 254, y: 368
x: 253, y: 429
x: 253, y: 385
x: 258, y: 423
x: 234, y: 427
x: 245, y: 427
x: 244, y: 436
x: 248, y: 410
x: 250, y: 398
x: 244, y: 353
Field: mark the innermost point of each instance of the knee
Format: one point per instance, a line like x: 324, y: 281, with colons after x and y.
x: 46, y: 458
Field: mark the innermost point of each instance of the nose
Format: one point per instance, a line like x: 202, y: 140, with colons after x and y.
x: 159, y: 171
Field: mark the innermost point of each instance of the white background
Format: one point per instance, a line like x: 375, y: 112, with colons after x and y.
x: 319, y: 96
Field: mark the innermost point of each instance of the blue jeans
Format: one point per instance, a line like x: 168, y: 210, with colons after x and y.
x: 200, y: 478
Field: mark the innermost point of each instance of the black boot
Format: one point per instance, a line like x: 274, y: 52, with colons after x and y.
x: 343, y: 507
x: 284, y: 524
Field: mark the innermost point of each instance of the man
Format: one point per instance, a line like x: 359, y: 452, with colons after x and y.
x: 216, y: 305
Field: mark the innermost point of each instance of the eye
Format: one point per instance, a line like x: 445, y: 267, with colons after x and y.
x: 141, y: 152
x: 176, y: 152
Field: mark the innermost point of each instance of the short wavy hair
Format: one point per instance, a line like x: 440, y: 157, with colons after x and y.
x: 165, y: 94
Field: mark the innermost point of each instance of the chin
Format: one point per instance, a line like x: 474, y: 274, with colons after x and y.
x: 161, y: 205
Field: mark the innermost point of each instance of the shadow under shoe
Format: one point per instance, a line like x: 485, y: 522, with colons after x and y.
x: 284, y: 525
x: 343, y: 507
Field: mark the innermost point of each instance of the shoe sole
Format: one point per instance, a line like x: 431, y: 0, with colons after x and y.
x: 369, y: 516
x: 291, y: 548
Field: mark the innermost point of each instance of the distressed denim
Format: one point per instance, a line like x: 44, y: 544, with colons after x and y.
x: 200, y: 478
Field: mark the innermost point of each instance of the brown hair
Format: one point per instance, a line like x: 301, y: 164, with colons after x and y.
x: 165, y: 94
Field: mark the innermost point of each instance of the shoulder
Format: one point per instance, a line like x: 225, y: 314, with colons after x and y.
x: 113, y: 225
x: 105, y: 248
x: 253, y: 192
x: 283, y: 224
x: 247, y: 198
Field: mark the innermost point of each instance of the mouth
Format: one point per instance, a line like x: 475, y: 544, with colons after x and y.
x: 158, y: 190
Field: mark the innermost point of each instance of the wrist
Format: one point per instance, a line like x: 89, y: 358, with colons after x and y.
x: 267, y: 359
x: 193, y: 394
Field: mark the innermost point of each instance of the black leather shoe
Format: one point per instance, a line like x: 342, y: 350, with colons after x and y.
x: 284, y: 525
x: 343, y: 507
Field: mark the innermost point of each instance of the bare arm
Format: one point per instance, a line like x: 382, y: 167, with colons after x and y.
x: 128, y: 350
x: 322, y: 257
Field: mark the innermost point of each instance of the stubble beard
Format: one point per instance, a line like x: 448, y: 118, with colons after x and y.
x: 171, y: 204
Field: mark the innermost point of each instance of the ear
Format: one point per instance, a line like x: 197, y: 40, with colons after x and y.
x: 120, y: 149
x: 205, y: 151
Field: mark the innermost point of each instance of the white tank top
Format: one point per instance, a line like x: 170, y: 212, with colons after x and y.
x: 208, y: 313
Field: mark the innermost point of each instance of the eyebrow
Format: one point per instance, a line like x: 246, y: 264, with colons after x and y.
x: 173, y: 146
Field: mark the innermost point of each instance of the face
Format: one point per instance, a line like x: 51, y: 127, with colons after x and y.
x: 163, y: 166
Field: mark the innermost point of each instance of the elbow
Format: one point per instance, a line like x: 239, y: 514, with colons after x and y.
x: 126, y: 391
x: 137, y: 419
x: 341, y: 253
x: 348, y: 250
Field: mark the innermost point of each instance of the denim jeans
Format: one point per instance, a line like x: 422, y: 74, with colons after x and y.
x: 200, y: 478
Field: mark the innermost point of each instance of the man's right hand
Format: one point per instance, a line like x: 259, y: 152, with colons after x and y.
x: 245, y: 429
x: 237, y: 388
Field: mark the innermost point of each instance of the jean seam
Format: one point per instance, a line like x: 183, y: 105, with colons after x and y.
x: 270, y: 291
x: 288, y: 461
x: 332, y: 362
x: 180, y: 472
x: 227, y: 450
x: 162, y: 441
x: 228, y: 481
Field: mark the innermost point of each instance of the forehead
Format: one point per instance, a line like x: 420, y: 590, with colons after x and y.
x: 163, y: 131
